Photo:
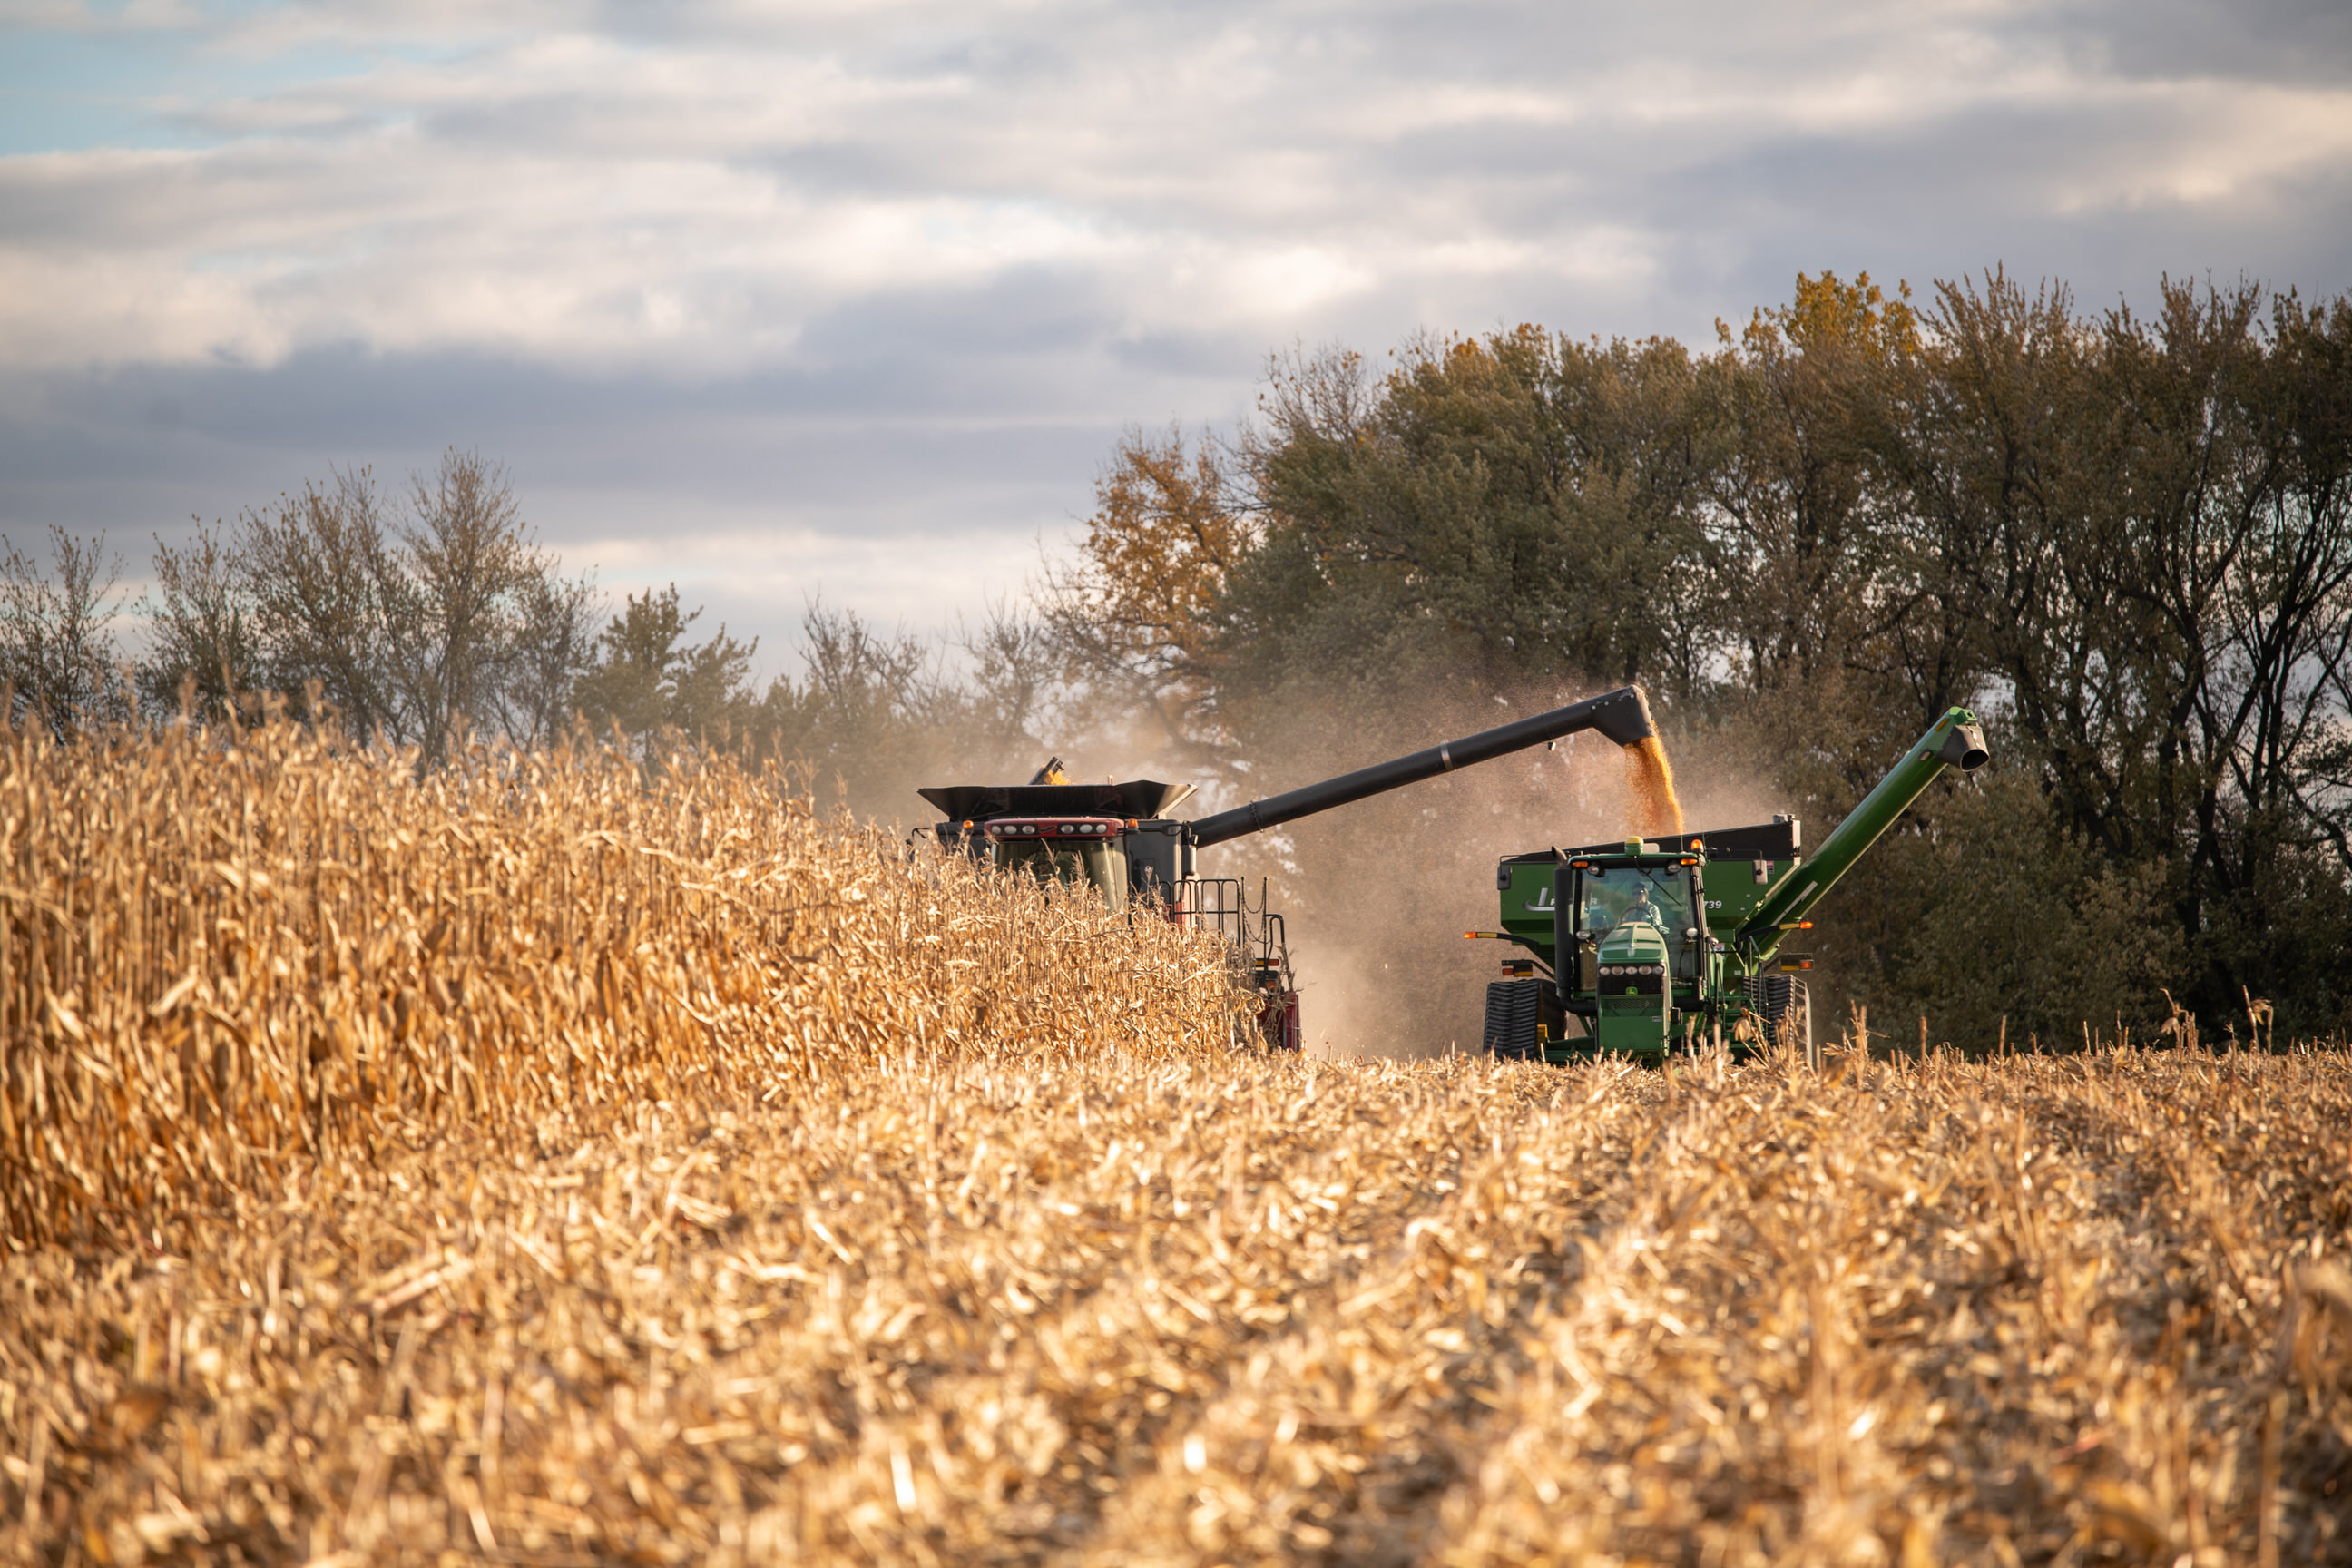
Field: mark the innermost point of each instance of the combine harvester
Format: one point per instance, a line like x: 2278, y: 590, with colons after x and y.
x: 1634, y: 948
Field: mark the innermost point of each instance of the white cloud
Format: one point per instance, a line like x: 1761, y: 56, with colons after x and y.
x: 525, y: 179
x: 855, y: 225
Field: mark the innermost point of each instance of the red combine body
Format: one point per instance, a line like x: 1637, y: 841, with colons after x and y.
x: 1116, y: 839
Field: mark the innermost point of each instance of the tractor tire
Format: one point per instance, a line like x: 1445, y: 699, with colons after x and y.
x: 1514, y: 1009
x: 1788, y: 1010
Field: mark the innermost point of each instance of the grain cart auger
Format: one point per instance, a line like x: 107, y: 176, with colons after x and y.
x: 1640, y: 947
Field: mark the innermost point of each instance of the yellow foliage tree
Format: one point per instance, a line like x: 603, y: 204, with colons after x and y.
x: 1136, y: 613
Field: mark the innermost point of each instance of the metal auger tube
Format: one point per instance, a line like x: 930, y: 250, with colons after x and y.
x: 1955, y: 741
x: 1623, y: 715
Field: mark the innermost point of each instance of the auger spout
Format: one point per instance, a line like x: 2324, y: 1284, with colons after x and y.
x: 1954, y: 741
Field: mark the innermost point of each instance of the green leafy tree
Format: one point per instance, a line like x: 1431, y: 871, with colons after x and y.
x: 2127, y: 540
x: 647, y: 678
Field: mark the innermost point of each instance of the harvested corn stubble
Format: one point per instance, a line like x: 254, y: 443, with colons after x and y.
x: 1089, y: 1289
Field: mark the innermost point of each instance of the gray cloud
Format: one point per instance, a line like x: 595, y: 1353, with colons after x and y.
x: 856, y: 296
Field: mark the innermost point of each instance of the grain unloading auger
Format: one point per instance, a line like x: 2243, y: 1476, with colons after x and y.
x: 1634, y: 948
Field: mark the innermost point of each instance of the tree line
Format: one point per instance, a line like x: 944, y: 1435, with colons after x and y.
x: 428, y: 616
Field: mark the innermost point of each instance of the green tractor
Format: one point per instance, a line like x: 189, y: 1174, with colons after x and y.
x: 1634, y: 948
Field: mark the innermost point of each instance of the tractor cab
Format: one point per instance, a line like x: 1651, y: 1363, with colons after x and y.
x: 1628, y: 940
x: 1639, y: 915
x: 1632, y: 925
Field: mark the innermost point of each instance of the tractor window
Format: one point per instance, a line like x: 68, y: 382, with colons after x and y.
x: 1619, y: 896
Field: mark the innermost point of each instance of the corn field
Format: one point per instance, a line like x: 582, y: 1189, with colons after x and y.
x: 545, y: 1163
x: 221, y: 962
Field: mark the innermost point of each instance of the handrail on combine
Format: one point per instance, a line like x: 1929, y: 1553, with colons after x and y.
x: 1256, y: 941
x: 1221, y: 905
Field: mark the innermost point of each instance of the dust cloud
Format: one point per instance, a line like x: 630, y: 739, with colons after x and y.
x: 1380, y: 893
x: 1376, y: 895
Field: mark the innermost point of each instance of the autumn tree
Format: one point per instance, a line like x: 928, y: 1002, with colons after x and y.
x: 411, y: 618
x: 203, y: 649
x: 1804, y: 503
x: 1137, y: 614
x: 59, y: 665
x: 1519, y: 504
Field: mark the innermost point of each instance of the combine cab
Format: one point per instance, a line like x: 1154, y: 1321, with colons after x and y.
x: 1090, y: 849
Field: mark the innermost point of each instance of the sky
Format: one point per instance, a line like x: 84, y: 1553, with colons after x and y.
x: 852, y: 300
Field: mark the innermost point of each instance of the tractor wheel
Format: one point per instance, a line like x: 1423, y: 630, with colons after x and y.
x: 1514, y: 1009
x: 1788, y: 1010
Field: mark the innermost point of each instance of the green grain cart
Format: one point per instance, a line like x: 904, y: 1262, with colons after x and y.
x: 1641, y: 947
